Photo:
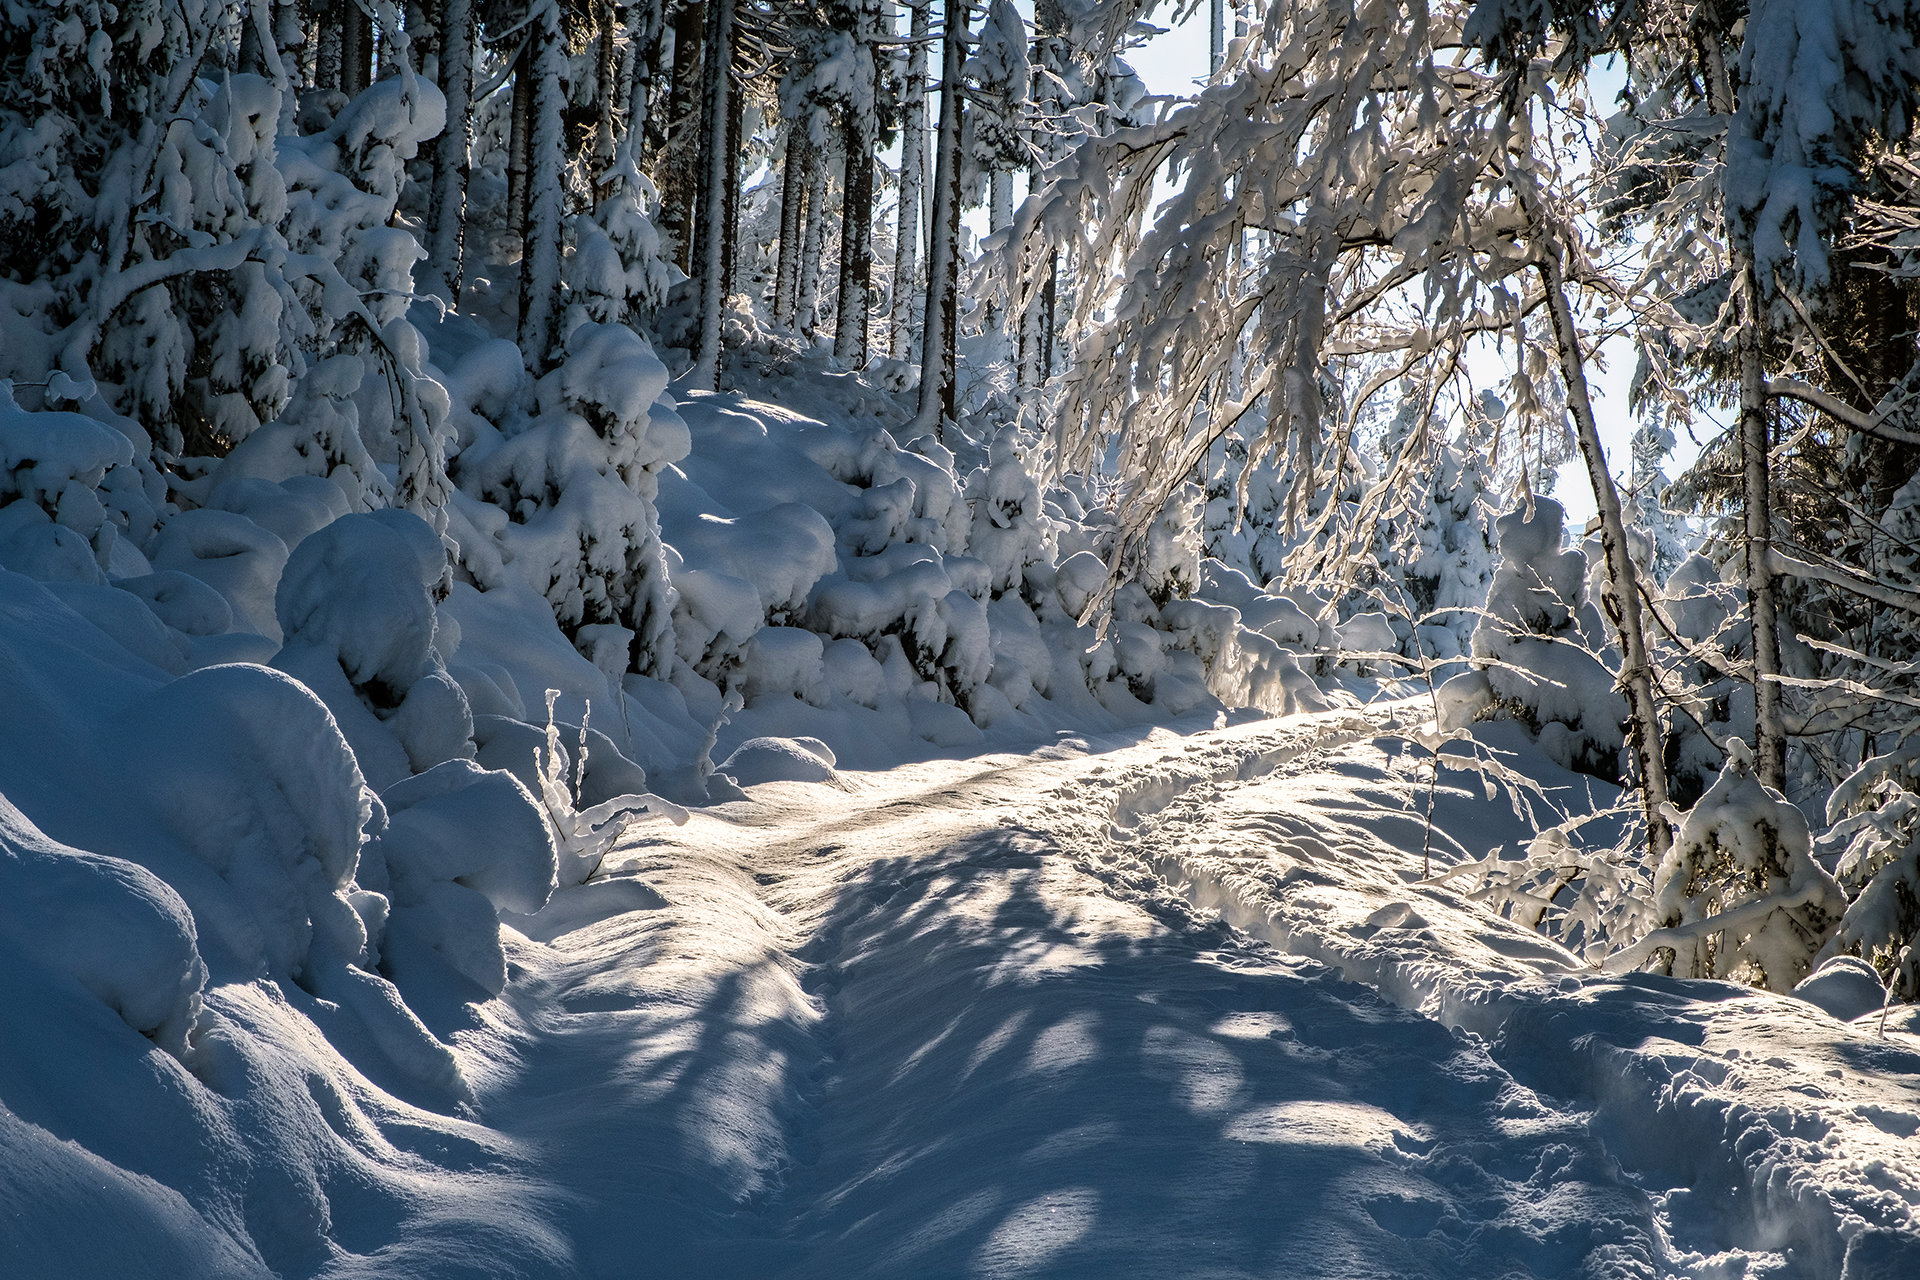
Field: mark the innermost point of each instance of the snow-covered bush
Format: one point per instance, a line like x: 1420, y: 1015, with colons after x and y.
x: 1705, y: 612
x: 462, y: 843
x: 113, y: 927
x: 1450, y: 570
x: 356, y: 607
x: 234, y: 786
x: 617, y: 273
x: 1873, y: 845
x: 1011, y: 529
x: 1739, y: 894
x: 1167, y: 561
x: 572, y: 490
x: 1532, y: 641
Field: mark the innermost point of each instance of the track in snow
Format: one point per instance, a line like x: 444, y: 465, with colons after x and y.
x: 936, y: 1025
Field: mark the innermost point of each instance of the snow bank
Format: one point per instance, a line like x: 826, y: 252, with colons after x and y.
x: 111, y: 926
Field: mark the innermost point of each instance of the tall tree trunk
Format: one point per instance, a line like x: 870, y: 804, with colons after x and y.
x: 651, y: 103
x: 812, y: 245
x: 447, y: 212
x: 710, y: 263
x: 253, y: 56
x: 679, y: 167
x: 519, y: 133
x: 1769, y: 731
x: 546, y: 163
x: 607, y: 91
x: 1763, y: 613
x: 634, y: 111
x: 793, y: 197
x: 1050, y: 26
x: 423, y: 35
x: 913, y: 171
x: 356, y: 48
x: 326, y: 46
x: 736, y: 148
x: 1216, y: 37
x: 943, y: 237
x: 1621, y: 599
x: 856, y: 247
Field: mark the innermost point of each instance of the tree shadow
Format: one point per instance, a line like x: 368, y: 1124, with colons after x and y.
x: 1026, y: 1078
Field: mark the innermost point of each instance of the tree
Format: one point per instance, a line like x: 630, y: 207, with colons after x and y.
x: 447, y: 212
x: 913, y: 170
x: 860, y: 125
x: 943, y: 236
x: 709, y: 262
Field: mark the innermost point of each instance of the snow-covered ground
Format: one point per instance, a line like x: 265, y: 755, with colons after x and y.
x: 1151, y: 1004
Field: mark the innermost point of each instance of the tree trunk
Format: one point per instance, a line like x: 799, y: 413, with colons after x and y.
x: 913, y: 171
x: 736, y: 148
x: 679, y: 167
x: 793, y: 197
x: 1769, y: 729
x: 1770, y: 742
x: 812, y: 245
x: 710, y: 263
x: 606, y: 90
x: 519, y: 130
x: 856, y: 246
x: 1217, y: 37
x: 637, y: 76
x: 447, y: 212
x: 943, y: 237
x: 651, y: 102
x: 1050, y: 24
x: 1621, y: 600
x: 326, y: 47
x: 546, y: 162
x: 356, y: 48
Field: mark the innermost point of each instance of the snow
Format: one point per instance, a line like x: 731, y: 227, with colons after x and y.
x: 1137, y: 1002
x: 464, y: 820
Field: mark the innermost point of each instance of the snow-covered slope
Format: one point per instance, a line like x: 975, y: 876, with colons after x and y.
x: 981, y: 1018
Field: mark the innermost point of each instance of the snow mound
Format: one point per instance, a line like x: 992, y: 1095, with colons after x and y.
x: 110, y: 926
x: 760, y: 760
x: 1846, y: 987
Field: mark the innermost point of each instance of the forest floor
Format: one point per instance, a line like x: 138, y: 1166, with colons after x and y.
x: 1179, y: 1004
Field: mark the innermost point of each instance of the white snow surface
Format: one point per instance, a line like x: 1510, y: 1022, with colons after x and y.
x: 1153, y: 1003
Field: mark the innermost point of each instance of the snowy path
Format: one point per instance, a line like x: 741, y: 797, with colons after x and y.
x: 953, y: 1020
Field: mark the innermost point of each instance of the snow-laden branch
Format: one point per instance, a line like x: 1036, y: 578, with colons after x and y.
x: 1789, y: 565
x: 1867, y: 424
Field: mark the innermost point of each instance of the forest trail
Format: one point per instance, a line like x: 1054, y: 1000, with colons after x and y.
x: 1045, y: 1016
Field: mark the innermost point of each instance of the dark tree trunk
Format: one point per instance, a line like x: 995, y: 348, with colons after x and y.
x: 943, y: 251
x: 680, y: 170
x: 736, y: 128
x: 913, y: 171
x: 356, y: 48
x: 710, y: 267
x: 519, y: 126
x: 793, y: 197
x: 856, y: 249
x: 541, y: 254
x: 447, y: 212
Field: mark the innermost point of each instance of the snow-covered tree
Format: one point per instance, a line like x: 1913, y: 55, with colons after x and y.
x: 1739, y: 895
